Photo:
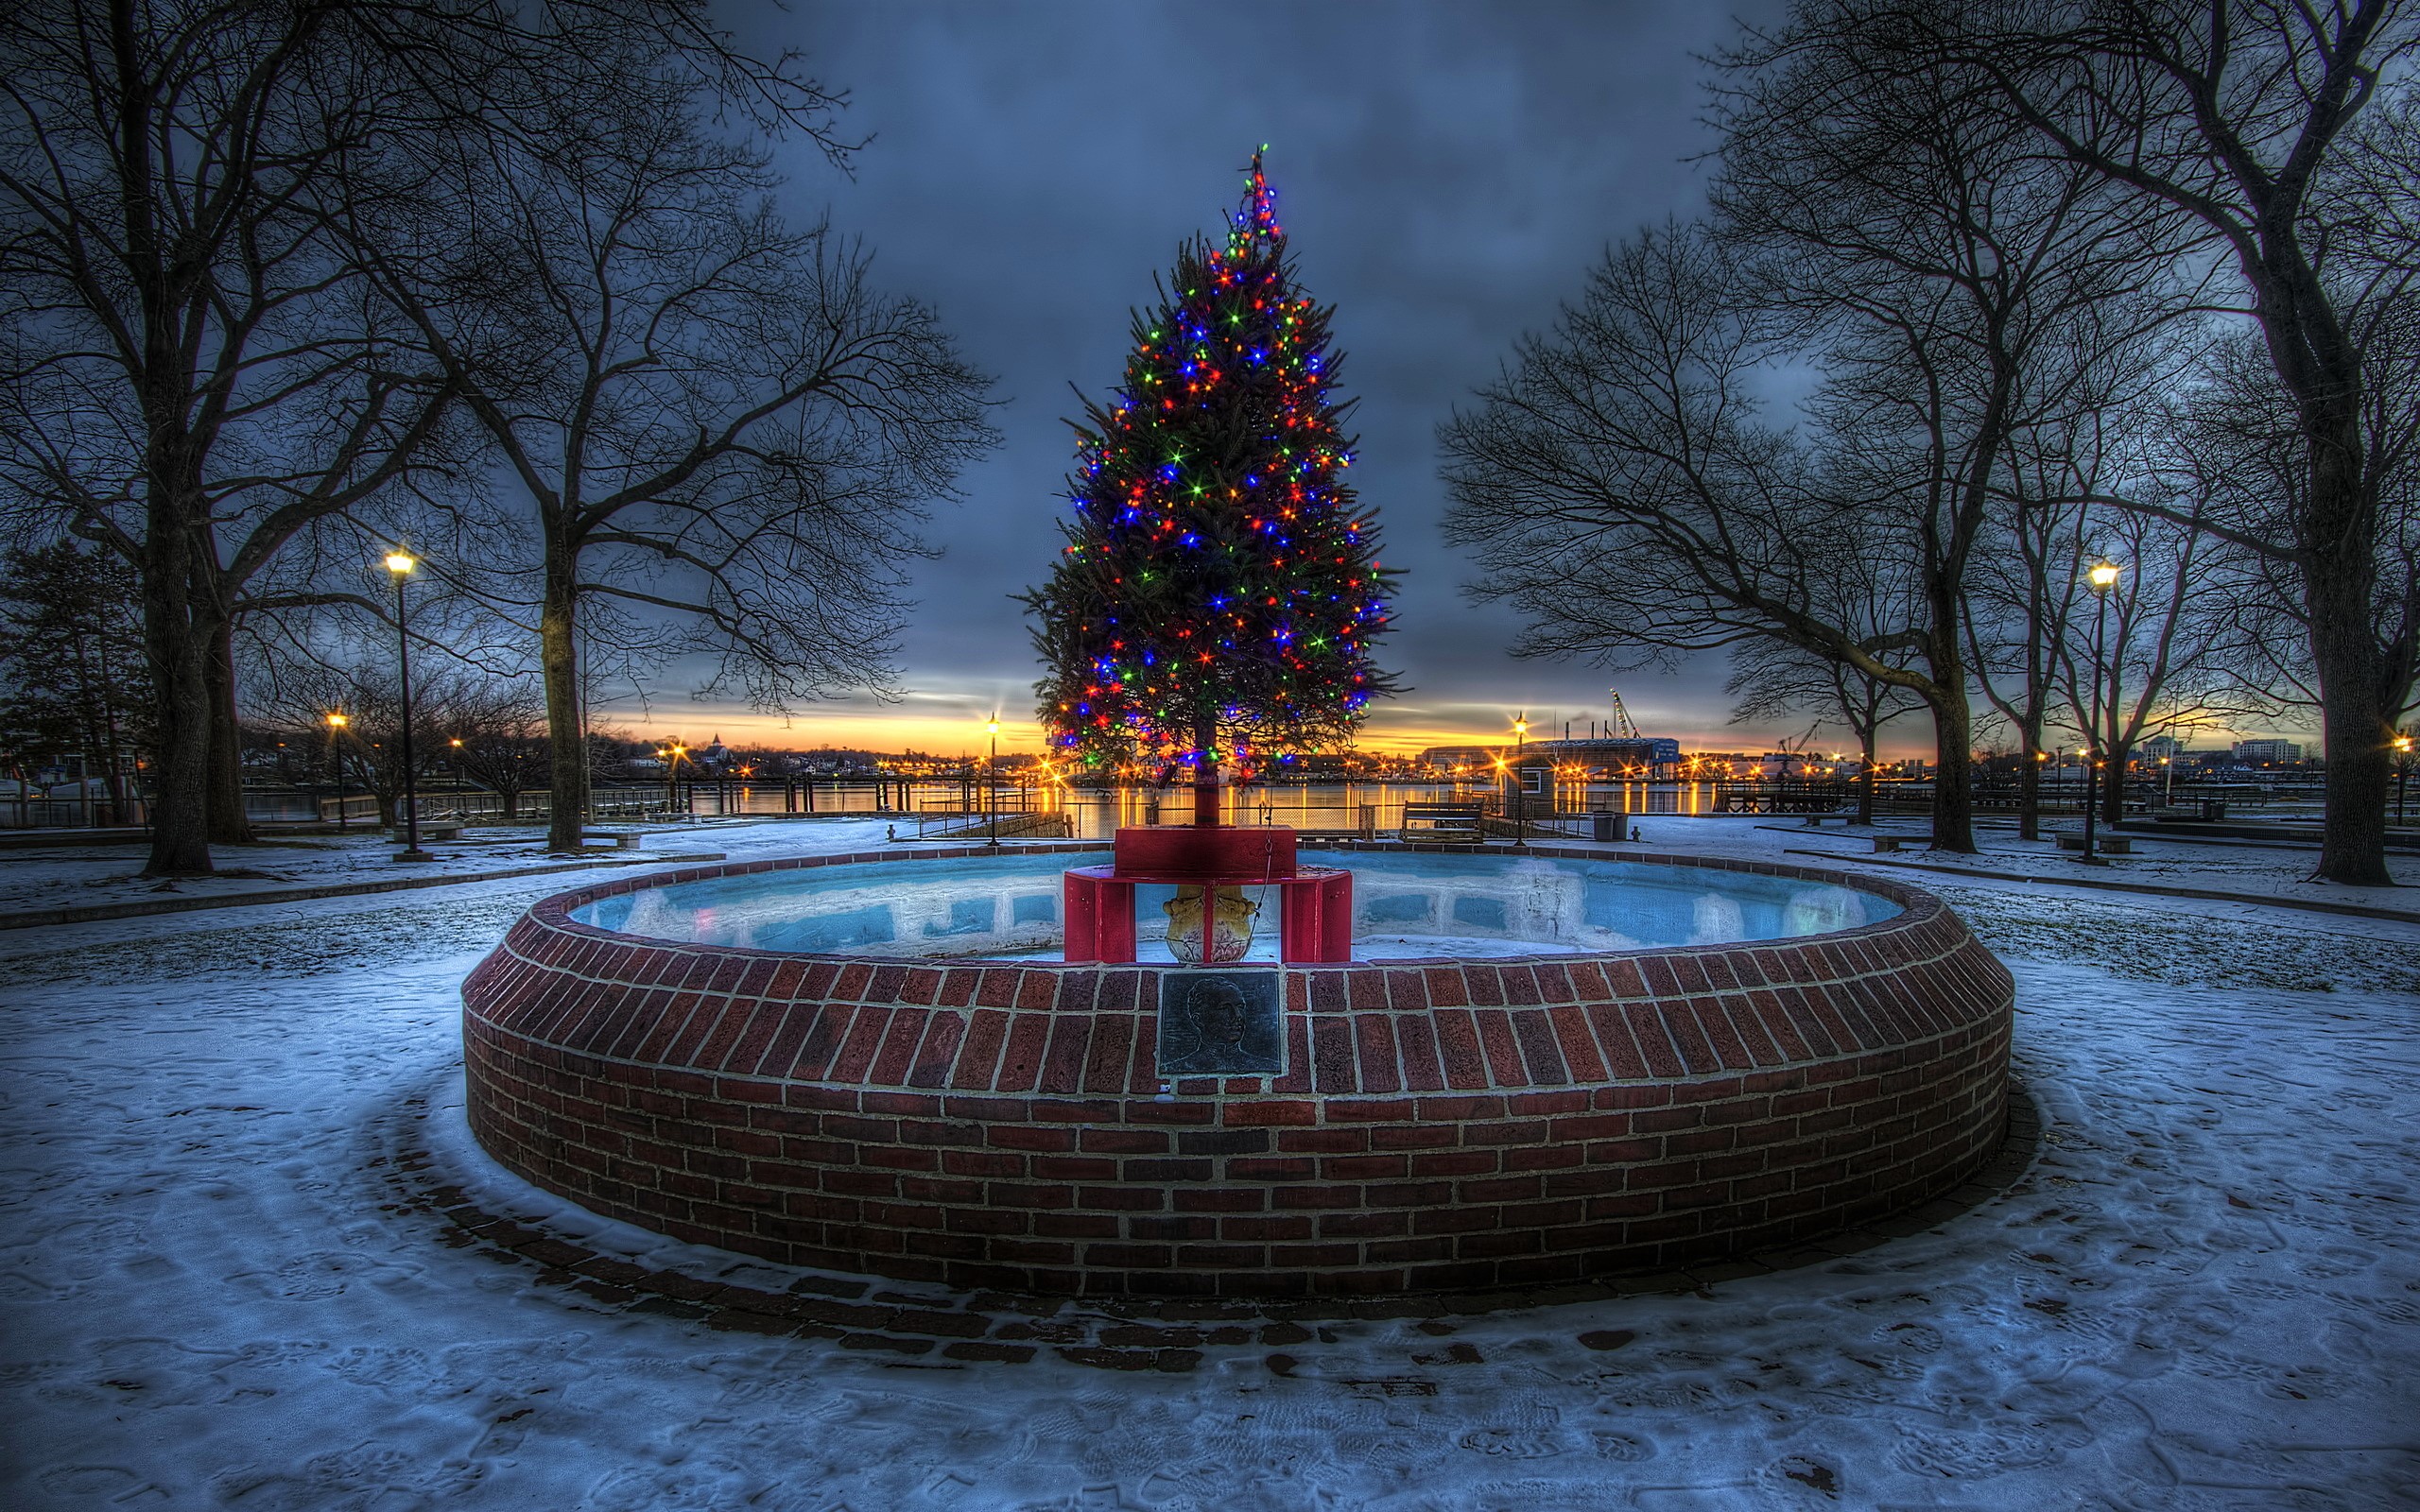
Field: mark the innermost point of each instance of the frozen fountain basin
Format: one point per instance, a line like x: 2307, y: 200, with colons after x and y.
x: 1550, y: 1065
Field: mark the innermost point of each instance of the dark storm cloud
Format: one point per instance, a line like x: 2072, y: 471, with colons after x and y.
x: 1447, y: 174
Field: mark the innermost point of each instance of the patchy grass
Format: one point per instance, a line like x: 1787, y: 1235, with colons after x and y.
x: 391, y: 934
x: 2182, y: 950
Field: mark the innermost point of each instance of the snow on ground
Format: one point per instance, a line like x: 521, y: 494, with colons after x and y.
x: 2225, y: 864
x: 2204, y: 1295
x: 70, y: 875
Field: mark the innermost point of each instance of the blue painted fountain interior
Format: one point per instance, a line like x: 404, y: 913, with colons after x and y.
x: 1406, y: 905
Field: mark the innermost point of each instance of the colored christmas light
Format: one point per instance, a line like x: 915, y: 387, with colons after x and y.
x: 1174, y: 538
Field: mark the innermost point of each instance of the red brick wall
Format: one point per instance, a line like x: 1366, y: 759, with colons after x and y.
x: 1442, y: 1125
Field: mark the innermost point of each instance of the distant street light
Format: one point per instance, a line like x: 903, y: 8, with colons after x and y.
x: 2103, y: 576
x: 398, y: 566
x: 991, y: 785
x: 336, y: 759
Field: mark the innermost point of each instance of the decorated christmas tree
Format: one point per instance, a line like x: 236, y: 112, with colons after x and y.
x: 1220, y: 590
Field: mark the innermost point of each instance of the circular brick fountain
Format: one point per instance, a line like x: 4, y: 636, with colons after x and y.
x: 1430, y: 1125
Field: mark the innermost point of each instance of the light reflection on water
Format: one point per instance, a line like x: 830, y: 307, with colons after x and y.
x: 1410, y: 905
x: 1096, y: 813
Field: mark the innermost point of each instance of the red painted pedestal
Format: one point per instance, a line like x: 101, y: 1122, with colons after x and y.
x: 1315, y: 924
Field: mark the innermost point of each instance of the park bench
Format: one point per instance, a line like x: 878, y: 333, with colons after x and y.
x: 441, y: 829
x: 2113, y: 845
x: 1845, y: 816
x: 1887, y: 842
x: 623, y: 839
x: 1442, y: 821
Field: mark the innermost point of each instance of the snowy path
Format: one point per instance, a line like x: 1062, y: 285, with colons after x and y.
x: 41, y: 878
x: 2206, y: 1295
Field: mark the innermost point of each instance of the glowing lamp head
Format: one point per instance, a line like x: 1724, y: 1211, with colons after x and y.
x: 992, y: 727
x: 2103, y: 575
x: 338, y: 721
x: 400, y: 562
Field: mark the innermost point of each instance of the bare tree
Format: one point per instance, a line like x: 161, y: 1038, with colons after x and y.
x: 368, y: 747
x: 2235, y: 452
x: 2148, y: 659
x: 704, y: 413
x: 495, y: 733
x: 1961, y: 291
x: 71, y: 664
x: 2248, y: 117
x: 1618, y: 487
x: 188, y: 376
x: 189, y: 371
x: 1953, y: 289
x: 1774, y: 680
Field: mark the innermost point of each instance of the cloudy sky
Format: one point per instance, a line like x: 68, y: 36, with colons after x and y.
x: 1447, y: 174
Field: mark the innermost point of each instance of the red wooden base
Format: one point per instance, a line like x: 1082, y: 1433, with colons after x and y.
x: 1221, y: 853
x: 1314, y: 926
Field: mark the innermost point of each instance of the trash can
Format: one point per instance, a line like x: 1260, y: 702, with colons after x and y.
x: 2213, y: 810
x: 1603, y: 826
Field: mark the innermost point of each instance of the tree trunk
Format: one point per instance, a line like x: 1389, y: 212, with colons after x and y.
x: 1953, y: 783
x: 2029, y: 786
x: 2358, y: 735
x: 1953, y: 721
x: 181, y: 757
x: 1865, y: 774
x: 559, y: 666
x: 2356, y: 723
x: 1205, y: 772
x: 227, y: 823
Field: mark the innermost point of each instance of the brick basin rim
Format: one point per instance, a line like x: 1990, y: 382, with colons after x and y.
x: 1916, y: 905
x: 1457, y: 1126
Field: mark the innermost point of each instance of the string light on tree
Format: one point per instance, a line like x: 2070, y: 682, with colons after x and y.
x: 1220, y: 590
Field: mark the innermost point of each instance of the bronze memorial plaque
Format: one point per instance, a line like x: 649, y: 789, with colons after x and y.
x: 1221, y: 1024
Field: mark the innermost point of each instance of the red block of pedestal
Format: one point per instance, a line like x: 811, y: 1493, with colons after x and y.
x: 1315, y: 917
x: 1219, y: 852
x: 1318, y: 922
x: 1100, y: 911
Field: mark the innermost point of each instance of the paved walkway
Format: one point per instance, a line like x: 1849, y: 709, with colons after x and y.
x: 225, y: 1279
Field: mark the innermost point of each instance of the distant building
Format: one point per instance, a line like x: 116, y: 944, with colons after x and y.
x: 1614, y: 752
x: 1448, y: 758
x: 2267, y: 752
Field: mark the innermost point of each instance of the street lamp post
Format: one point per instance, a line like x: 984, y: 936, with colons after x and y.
x: 398, y: 566
x: 336, y: 759
x: 672, y: 753
x: 2402, y: 773
x: 2103, y: 576
x: 1520, y: 794
x: 992, y: 786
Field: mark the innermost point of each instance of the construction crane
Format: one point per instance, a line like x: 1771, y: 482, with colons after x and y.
x: 1622, y: 725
